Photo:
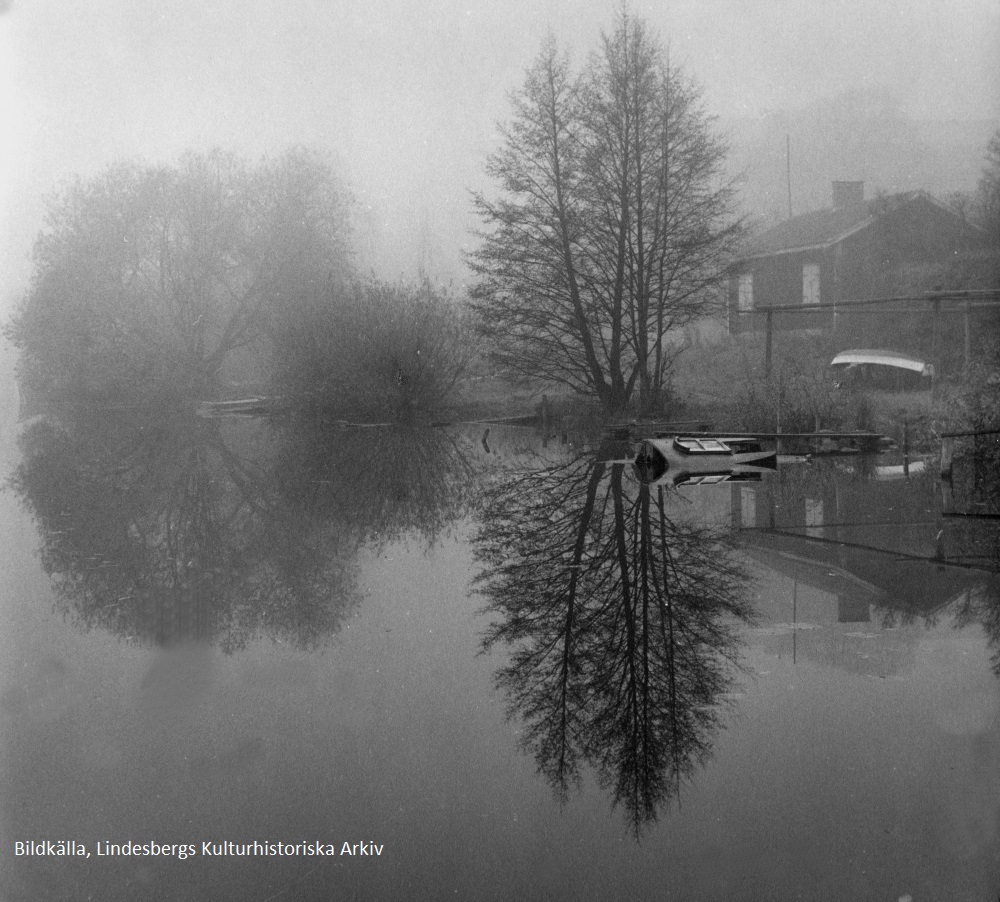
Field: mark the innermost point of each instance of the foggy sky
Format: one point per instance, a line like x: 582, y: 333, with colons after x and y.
x: 406, y: 93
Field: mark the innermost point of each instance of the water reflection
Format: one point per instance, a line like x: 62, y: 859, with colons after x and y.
x: 971, y: 500
x: 167, y: 531
x: 223, y: 531
x: 877, y: 545
x: 620, y: 607
x: 622, y: 619
x: 380, y: 483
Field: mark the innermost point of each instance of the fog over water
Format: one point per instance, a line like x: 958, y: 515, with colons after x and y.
x: 231, y: 631
x: 406, y: 96
x: 238, y: 604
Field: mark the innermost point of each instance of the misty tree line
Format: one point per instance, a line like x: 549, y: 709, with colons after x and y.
x: 609, y: 228
x: 172, y: 282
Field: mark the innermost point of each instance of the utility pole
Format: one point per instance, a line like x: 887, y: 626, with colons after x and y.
x: 788, y: 170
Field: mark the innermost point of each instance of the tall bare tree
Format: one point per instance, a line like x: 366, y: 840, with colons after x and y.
x: 613, y: 220
x: 532, y: 263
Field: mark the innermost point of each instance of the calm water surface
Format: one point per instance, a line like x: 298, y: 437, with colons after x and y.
x: 506, y: 663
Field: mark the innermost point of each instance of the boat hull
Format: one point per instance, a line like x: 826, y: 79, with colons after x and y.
x: 680, y: 458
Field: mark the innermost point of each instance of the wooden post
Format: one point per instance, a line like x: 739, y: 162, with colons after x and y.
x: 768, y: 342
x: 935, y: 347
x: 777, y: 420
x: 968, y: 338
x: 947, y: 456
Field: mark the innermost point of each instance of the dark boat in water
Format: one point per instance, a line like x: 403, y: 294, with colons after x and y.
x: 689, y: 459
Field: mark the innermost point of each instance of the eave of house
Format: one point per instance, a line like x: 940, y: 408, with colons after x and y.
x: 901, y: 202
x: 821, y: 246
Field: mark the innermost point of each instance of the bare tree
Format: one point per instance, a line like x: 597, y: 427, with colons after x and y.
x: 613, y: 223
x: 532, y: 261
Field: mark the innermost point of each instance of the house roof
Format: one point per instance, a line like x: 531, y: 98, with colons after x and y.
x: 919, y: 585
x: 823, y: 228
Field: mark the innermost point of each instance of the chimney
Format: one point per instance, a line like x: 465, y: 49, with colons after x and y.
x: 848, y: 194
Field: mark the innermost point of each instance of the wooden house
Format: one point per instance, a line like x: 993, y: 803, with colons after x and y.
x: 859, y: 249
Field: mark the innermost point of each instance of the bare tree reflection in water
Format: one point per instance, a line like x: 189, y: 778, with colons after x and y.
x: 162, y: 531
x: 224, y: 531
x: 622, y: 621
x: 981, y: 606
x: 385, y: 482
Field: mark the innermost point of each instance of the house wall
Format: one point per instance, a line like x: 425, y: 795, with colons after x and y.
x: 918, y: 233
x: 870, y: 263
x: 777, y: 281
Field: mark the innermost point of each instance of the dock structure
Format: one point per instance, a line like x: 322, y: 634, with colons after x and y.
x: 860, y: 441
x: 868, y: 442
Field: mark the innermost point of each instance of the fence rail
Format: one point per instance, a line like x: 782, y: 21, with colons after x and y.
x: 977, y: 299
x: 971, y: 433
x: 943, y: 327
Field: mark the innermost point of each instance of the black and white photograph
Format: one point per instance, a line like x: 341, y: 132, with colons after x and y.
x: 499, y: 451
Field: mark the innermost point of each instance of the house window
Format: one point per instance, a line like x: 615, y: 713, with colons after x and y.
x: 748, y: 506
x: 810, y: 283
x: 814, y: 517
x: 744, y: 297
